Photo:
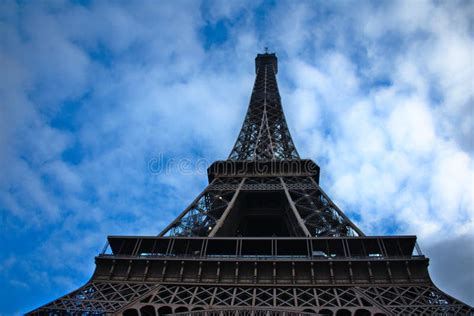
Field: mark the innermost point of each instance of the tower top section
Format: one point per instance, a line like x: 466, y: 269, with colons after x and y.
x: 266, y: 59
x: 264, y: 134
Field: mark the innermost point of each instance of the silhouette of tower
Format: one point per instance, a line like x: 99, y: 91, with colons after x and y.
x: 261, y: 239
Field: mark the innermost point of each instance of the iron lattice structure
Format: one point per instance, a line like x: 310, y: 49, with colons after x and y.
x: 264, y: 134
x: 262, y: 238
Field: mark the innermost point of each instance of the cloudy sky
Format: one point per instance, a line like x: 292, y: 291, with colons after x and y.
x: 380, y: 94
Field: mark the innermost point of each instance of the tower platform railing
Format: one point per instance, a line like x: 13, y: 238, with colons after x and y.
x: 317, y: 248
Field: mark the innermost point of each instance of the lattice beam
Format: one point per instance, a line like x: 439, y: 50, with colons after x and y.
x: 264, y: 134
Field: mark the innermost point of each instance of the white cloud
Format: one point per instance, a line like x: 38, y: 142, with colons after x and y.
x: 410, y: 127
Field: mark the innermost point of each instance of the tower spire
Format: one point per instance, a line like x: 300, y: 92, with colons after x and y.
x: 264, y: 134
x: 264, y: 146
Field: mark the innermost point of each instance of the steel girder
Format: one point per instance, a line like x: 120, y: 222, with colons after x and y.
x: 264, y: 134
x: 100, y: 298
x: 314, y: 212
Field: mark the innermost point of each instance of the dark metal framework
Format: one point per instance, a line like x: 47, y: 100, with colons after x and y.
x: 262, y: 239
x: 309, y: 210
x: 264, y: 134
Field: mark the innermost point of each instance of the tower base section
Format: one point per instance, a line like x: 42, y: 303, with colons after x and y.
x: 149, y: 276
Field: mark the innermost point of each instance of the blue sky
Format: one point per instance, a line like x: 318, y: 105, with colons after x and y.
x: 379, y: 93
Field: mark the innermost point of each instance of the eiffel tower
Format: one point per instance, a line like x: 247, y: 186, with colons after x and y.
x: 263, y: 238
